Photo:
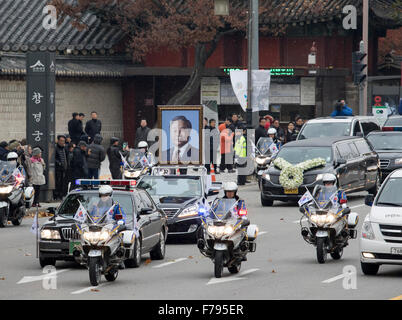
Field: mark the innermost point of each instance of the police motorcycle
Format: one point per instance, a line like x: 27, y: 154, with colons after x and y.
x: 264, y: 151
x: 136, y: 165
x: 14, y: 198
x: 329, y: 225
x: 227, y: 238
x: 102, y: 249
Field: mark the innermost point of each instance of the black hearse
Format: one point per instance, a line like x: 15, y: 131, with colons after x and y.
x: 351, y: 159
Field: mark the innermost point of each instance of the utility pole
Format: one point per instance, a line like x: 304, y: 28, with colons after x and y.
x: 253, y: 60
x: 366, y: 50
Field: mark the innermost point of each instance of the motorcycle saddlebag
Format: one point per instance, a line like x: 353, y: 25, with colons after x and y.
x: 252, y: 232
x: 353, y: 219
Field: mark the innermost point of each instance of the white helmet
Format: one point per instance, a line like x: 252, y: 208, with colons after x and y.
x: 329, y: 177
x: 11, y: 156
x: 105, y: 191
x: 142, y: 144
x: 230, y: 186
x: 272, y: 131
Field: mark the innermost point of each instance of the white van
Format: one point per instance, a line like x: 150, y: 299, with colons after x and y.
x: 381, y: 235
x: 338, y: 126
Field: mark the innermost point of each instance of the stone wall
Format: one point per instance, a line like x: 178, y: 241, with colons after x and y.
x: 105, y: 97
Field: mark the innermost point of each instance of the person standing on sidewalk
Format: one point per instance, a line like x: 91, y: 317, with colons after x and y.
x: 61, y: 165
x: 79, y: 164
x: 142, y: 133
x: 240, y: 150
x: 37, y: 168
x: 74, y: 128
x: 213, y: 147
x: 226, y: 137
x: 93, y: 126
x: 114, y: 153
x: 96, y: 156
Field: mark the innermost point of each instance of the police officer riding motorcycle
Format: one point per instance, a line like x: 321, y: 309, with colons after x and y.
x: 226, y: 235
x: 330, y: 223
x: 139, y: 162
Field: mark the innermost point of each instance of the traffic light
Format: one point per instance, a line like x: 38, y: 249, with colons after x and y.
x: 358, y: 67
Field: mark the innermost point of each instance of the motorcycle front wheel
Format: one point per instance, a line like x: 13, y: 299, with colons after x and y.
x: 218, y: 264
x: 112, y: 274
x: 94, y: 271
x: 3, y: 217
x: 321, y: 250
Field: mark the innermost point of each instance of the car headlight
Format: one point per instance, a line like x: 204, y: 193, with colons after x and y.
x: 319, y: 177
x: 367, y: 231
x: 95, y: 237
x: 6, y: 189
x: 398, y: 161
x: 266, y: 176
x: 188, y: 212
x: 133, y: 174
x: 49, y: 234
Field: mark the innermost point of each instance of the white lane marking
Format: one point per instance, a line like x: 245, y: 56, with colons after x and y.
x: 298, y: 221
x: 40, y: 278
x: 360, y: 205
x: 231, y: 278
x: 262, y: 232
x: 341, y: 276
x: 169, y: 263
x: 87, y: 289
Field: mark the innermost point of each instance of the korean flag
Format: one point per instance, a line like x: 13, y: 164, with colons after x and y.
x: 110, y: 213
x: 81, y: 214
x: 35, y: 224
x: 144, y: 161
x: 307, y: 197
x: 273, y: 148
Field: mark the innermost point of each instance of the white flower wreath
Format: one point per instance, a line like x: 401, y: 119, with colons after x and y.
x: 291, y: 176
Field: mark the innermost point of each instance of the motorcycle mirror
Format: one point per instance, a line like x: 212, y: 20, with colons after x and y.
x: 120, y: 222
x: 301, y: 209
x: 346, y: 211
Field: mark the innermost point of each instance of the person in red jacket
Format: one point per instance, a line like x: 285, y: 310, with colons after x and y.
x: 226, y: 146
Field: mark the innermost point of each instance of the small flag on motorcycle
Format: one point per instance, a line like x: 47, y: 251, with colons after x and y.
x: 80, y: 215
x: 35, y: 224
x: 307, y: 197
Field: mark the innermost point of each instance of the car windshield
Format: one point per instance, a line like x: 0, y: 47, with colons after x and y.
x: 160, y: 186
x: 391, y: 193
x: 386, y: 142
x: 297, y: 155
x: 6, y: 171
x: 70, y: 206
x: 134, y: 158
x: 325, y: 129
x: 263, y: 145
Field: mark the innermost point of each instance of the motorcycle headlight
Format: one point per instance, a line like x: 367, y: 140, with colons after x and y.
x: 48, y: 234
x: 330, y: 218
x: 319, y: 177
x: 228, y: 230
x: 133, y: 174
x: 95, y: 237
x: 398, y: 161
x: 367, y: 231
x: 220, y: 231
x: 189, y: 212
x: 6, y: 189
x: 261, y: 161
x: 319, y: 220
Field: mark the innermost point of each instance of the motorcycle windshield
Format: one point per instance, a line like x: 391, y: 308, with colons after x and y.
x: 326, y: 198
x: 7, y: 170
x: 136, y: 159
x: 263, y: 145
x: 102, y: 211
x: 224, y: 209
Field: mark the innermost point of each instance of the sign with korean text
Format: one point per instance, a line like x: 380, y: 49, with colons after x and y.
x: 40, y: 116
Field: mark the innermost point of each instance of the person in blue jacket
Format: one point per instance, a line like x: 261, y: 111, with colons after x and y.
x: 342, y: 109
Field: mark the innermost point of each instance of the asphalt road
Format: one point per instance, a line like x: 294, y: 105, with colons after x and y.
x: 283, y: 267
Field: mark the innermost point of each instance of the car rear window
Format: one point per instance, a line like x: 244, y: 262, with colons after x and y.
x: 393, y: 122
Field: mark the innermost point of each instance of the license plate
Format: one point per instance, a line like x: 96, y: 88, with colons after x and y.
x: 291, y: 191
x: 73, y: 246
x: 396, y: 251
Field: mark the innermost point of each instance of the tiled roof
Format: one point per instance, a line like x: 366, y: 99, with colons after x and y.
x: 21, y: 30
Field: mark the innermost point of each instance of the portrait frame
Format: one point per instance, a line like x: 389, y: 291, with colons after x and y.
x: 195, y: 113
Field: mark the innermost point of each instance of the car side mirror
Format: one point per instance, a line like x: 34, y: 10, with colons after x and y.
x: 145, y: 211
x: 51, y: 210
x: 368, y: 200
x: 212, y: 192
x: 340, y: 162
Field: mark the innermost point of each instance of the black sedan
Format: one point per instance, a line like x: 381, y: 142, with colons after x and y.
x: 58, y: 235
x: 388, y: 146
x: 350, y: 159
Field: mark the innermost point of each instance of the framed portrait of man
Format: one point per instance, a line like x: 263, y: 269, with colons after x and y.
x: 181, y: 141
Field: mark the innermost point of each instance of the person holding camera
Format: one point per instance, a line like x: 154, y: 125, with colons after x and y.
x: 342, y: 109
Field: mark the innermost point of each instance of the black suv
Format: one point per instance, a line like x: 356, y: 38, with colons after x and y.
x: 351, y: 159
x: 388, y: 146
x: 58, y: 243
